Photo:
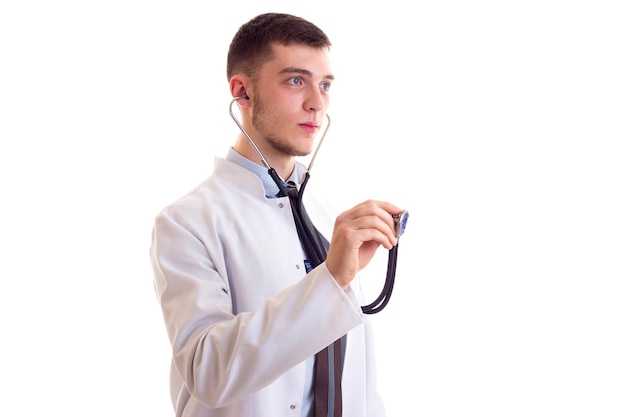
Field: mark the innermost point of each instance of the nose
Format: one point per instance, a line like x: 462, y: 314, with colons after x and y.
x: 314, y: 100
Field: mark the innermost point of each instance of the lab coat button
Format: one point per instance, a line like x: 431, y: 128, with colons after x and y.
x: 292, y: 406
x: 281, y: 205
x: 297, y: 266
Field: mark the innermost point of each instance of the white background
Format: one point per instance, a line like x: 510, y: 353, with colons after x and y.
x: 500, y: 126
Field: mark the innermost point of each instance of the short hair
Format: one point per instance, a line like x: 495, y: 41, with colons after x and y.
x: 251, y: 46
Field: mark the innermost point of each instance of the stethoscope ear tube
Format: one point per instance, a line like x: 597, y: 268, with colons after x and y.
x: 258, y: 151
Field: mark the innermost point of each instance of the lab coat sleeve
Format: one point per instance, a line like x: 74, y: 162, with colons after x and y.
x: 223, y: 357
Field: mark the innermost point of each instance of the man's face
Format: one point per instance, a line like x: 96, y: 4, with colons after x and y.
x: 290, y: 98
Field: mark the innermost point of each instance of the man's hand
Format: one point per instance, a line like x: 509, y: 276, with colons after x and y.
x: 357, y: 235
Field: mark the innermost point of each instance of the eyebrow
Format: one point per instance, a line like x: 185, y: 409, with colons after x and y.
x: 292, y: 70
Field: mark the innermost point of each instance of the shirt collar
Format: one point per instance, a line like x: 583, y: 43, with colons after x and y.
x: 271, y: 189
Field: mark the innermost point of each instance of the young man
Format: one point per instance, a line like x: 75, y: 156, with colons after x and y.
x: 244, y: 317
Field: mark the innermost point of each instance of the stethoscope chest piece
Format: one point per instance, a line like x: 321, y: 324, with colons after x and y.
x: 401, y: 220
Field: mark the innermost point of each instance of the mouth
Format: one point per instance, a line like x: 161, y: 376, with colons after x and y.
x: 310, y: 127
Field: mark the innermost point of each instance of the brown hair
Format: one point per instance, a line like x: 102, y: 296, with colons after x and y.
x: 251, y: 46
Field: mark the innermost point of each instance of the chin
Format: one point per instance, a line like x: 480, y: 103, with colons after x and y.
x: 301, y: 154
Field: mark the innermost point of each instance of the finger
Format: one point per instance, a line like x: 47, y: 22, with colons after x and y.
x: 373, y: 214
x: 372, y: 227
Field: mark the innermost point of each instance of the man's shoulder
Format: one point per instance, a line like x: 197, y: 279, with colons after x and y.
x: 224, y: 188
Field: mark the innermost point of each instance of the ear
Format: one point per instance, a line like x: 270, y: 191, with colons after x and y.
x: 238, y: 88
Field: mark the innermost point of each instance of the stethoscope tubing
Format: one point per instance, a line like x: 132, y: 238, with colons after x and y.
x: 311, y: 243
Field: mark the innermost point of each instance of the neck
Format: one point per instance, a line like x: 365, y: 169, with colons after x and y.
x: 282, y: 164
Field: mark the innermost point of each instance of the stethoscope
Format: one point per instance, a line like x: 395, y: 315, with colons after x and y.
x: 311, y: 238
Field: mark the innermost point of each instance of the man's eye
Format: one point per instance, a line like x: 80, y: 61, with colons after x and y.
x: 295, y: 80
x: 325, y: 86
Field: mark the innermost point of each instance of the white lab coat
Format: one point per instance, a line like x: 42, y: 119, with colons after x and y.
x: 241, y: 318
